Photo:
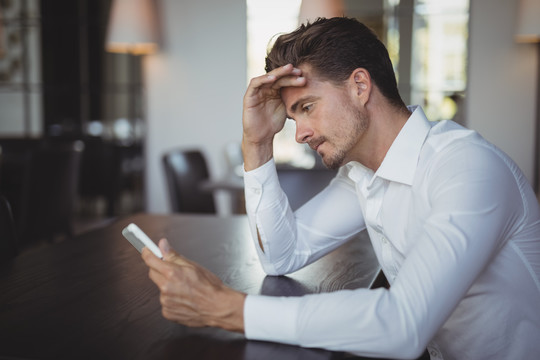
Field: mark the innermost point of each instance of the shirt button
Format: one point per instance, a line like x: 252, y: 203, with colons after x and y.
x: 434, y: 353
x: 256, y: 191
x: 384, y: 240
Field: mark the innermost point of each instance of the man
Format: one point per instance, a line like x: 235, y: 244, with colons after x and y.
x: 454, y: 223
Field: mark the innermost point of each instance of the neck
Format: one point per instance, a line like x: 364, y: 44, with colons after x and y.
x: 385, y: 123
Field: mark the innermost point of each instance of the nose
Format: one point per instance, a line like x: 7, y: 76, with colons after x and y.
x: 303, y: 132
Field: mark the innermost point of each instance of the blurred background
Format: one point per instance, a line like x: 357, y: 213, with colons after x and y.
x: 110, y: 87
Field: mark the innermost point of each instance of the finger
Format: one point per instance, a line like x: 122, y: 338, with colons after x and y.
x: 288, y: 81
x: 149, y: 258
x: 157, y: 278
x: 169, y: 254
x: 165, y: 247
x: 274, y: 75
x: 285, y: 70
x: 259, y: 82
x: 157, y: 272
x: 156, y: 264
x: 254, y: 96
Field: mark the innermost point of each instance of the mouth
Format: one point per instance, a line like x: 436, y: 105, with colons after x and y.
x: 315, y: 144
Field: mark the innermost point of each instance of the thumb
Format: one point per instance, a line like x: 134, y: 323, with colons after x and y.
x: 170, y: 255
x: 165, y: 248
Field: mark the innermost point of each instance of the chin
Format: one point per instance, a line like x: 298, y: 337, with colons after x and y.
x: 332, y: 164
x: 333, y: 161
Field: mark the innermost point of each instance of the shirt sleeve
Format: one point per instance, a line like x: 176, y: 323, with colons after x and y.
x: 470, y: 217
x: 292, y: 240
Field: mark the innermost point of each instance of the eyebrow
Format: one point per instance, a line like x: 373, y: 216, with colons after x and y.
x: 303, y: 99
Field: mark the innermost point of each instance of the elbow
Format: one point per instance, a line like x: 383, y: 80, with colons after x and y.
x: 408, y: 345
x: 409, y: 333
x: 271, y: 270
x: 397, y: 346
x: 406, y: 337
x: 276, y: 268
x: 400, y: 350
x: 412, y: 352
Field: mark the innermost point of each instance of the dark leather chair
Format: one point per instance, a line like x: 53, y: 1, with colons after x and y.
x: 49, y: 191
x: 14, y: 166
x: 97, y: 174
x: 380, y: 281
x: 185, y: 170
x: 8, y: 237
x: 300, y: 185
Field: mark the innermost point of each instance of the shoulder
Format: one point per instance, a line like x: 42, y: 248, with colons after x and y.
x: 455, y: 155
x: 453, y: 148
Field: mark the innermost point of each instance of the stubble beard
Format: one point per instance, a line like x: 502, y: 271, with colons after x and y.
x: 336, y: 159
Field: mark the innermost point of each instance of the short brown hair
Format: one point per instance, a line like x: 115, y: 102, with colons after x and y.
x: 334, y: 48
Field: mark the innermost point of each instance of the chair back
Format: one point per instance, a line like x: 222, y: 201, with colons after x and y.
x: 50, y: 191
x: 300, y: 185
x: 185, y: 170
x: 8, y: 238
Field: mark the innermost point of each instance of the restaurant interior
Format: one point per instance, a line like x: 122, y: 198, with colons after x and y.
x: 114, y: 107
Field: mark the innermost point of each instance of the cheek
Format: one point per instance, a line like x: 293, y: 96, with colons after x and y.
x: 337, y: 123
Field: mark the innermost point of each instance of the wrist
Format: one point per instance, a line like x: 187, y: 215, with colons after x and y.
x: 256, y: 154
x: 231, y: 317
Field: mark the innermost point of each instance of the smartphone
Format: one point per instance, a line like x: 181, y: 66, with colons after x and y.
x: 139, y: 239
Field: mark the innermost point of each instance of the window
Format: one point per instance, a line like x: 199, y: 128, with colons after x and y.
x: 439, y: 56
x: 431, y: 63
x: 265, y: 20
x: 20, y: 68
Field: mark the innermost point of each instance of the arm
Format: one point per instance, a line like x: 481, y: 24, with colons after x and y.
x: 264, y: 113
x: 290, y: 239
x: 287, y: 241
x: 470, y: 219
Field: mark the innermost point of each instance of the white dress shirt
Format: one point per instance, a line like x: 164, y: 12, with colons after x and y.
x: 456, y: 229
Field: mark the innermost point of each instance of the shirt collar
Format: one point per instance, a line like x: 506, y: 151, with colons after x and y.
x: 401, y: 160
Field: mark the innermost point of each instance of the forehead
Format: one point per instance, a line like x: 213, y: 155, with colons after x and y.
x: 315, y: 87
x: 291, y: 94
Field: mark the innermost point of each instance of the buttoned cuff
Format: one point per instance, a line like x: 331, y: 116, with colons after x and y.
x: 262, y: 179
x: 271, y: 318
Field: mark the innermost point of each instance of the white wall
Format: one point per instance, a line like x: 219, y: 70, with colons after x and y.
x: 502, y: 81
x: 195, y: 87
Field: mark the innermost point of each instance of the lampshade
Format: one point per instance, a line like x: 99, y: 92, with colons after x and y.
x: 2, y: 49
x: 132, y: 27
x: 313, y: 9
x: 528, y: 24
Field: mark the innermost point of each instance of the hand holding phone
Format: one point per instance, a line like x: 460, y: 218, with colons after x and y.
x: 139, y: 239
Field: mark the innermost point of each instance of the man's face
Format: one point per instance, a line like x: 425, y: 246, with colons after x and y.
x: 326, y: 118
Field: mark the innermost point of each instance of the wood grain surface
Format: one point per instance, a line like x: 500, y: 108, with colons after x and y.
x: 91, y: 298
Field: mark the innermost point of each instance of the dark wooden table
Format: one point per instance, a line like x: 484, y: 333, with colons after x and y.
x: 91, y: 298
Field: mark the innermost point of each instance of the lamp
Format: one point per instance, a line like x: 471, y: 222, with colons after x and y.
x: 2, y: 50
x: 313, y: 9
x: 528, y: 31
x: 132, y: 30
x: 132, y: 27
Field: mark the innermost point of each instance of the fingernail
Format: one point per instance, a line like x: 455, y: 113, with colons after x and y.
x: 165, y: 245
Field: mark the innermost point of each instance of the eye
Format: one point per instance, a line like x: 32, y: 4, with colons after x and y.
x: 307, y: 107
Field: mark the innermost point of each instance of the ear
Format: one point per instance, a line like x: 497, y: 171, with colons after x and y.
x: 360, y: 82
